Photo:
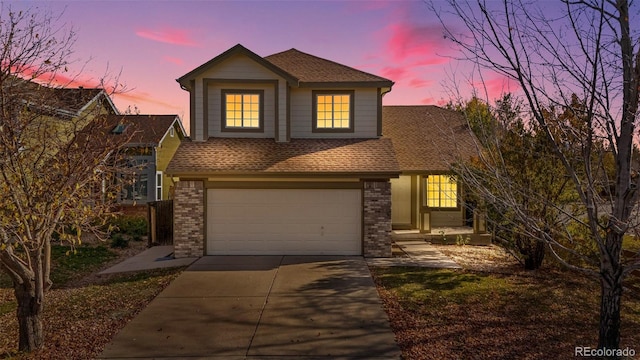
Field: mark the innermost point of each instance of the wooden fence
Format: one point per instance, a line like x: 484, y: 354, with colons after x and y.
x: 160, y: 222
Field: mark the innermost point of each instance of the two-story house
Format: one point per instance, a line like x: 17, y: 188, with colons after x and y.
x: 288, y: 155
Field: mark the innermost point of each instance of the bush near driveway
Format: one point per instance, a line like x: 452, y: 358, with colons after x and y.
x: 449, y: 314
x: 134, y: 226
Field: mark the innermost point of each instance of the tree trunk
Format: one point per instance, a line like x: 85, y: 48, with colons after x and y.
x: 31, y: 336
x: 610, y: 292
x: 532, y: 251
x: 609, y: 337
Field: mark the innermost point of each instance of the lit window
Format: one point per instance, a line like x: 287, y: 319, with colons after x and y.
x: 333, y: 111
x: 441, y: 191
x: 242, y: 110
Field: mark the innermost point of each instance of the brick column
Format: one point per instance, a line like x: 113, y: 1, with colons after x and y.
x: 188, y: 219
x: 377, y: 218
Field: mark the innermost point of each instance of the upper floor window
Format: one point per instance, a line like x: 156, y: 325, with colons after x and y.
x: 333, y: 111
x: 441, y: 191
x: 242, y: 110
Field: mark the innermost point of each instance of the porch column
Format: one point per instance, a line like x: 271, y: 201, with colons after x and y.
x: 188, y: 219
x: 377, y: 218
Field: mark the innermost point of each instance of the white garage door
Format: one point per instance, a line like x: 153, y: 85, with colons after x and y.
x: 284, y: 222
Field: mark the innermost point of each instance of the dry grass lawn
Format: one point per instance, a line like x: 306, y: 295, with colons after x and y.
x: 493, y: 310
x: 85, y: 311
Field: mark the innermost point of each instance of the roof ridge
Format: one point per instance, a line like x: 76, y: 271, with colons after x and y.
x: 323, y: 59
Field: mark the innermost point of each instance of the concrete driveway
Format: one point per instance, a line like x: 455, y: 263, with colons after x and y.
x: 256, y: 307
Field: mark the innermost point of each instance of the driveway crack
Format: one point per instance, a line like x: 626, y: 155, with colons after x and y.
x: 264, y: 305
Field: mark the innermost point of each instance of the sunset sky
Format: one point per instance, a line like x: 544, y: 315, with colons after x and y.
x: 152, y: 43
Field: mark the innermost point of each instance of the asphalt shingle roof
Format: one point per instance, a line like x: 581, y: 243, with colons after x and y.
x: 59, y: 101
x: 148, y: 129
x: 312, y: 69
x: 297, y: 67
x: 74, y: 99
x: 427, y: 138
x: 299, y: 156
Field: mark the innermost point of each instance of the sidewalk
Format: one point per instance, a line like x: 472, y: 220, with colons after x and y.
x: 418, y: 254
x: 153, y: 258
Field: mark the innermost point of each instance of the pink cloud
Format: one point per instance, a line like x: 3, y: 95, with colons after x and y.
x: 394, y: 73
x: 171, y: 59
x: 432, y: 60
x: 497, y: 86
x: 408, y: 40
x: 58, y: 78
x: 168, y: 35
x: 427, y: 101
x: 418, y: 83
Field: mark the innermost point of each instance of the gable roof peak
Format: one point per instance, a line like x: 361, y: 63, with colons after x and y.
x: 236, y: 49
x: 147, y: 129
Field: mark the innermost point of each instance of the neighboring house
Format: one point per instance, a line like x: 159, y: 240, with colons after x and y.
x: 63, y: 103
x: 289, y: 154
x: 154, y: 140
x: 63, y: 110
x: 72, y: 103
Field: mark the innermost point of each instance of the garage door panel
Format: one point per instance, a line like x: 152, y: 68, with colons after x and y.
x: 284, y: 221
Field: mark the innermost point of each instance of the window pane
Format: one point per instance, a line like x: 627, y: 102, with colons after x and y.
x: 243, y: 110
x: 333, y: 107
x: 442, y: 191
x: 328, y: 107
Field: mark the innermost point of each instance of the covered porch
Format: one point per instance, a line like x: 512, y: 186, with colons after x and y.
x: 431, y: 207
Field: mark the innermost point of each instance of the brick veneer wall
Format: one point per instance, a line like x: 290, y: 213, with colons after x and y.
x: 188, y: 219
x: 377, y: 218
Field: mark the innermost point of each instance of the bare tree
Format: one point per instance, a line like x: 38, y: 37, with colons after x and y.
x: 57, y: 164
x: 586, y: 48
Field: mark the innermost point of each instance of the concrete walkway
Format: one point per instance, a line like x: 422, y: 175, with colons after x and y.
x: 263, y: 307
x: 153, y: 258
x: 419, y: 254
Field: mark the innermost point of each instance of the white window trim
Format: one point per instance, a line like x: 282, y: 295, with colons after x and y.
x: 159, y: 185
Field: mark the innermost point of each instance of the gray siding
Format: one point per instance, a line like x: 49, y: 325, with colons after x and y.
x: 235, y: 69
x: 365, y: 113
